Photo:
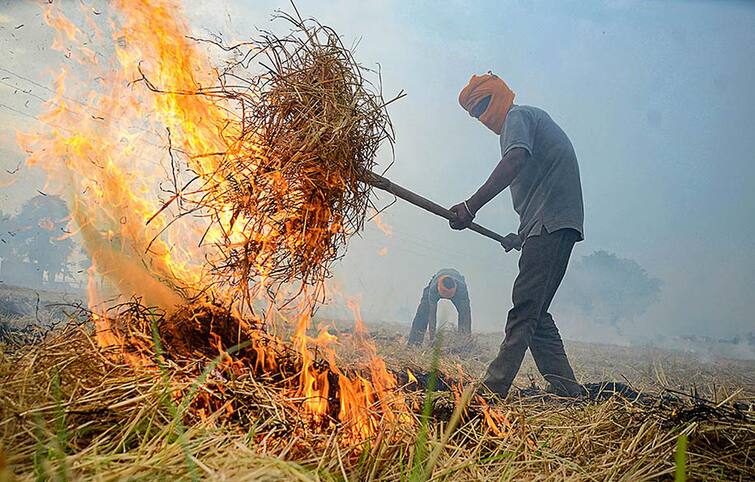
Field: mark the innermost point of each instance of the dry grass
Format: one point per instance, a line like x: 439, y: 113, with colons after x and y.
x: 68, y: 412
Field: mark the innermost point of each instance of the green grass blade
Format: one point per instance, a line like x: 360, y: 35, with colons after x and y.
x: 420, y: 447
x: 681, y: 459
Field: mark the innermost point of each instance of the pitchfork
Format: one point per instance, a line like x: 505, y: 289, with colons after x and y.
x: 376, y: 180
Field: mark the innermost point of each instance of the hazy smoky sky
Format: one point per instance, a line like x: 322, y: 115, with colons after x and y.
x: 656, y: 97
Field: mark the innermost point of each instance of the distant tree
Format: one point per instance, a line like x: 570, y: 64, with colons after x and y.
x: 609, y: 289
x: 35, y: 241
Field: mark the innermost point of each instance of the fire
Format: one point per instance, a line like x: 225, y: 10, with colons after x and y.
x: 99, y: 153
x: 130, y: 150
x: 497, y: 422
x: 382, y: 225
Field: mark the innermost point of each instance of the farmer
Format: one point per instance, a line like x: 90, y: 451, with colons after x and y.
x: 446, y: 284
x: 539, y: 165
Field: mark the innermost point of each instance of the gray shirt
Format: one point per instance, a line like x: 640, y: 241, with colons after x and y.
x: 547, y: 191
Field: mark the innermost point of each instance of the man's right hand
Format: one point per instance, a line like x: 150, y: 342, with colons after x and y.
x: 463, y: 217
x: 511, y: 241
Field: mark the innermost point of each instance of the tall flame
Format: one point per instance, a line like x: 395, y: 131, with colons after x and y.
x: 100, y: 152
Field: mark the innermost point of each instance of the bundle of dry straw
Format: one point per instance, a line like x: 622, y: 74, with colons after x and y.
x: 308, y: 125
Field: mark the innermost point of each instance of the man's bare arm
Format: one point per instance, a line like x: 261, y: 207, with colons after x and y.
x: 501, y: 177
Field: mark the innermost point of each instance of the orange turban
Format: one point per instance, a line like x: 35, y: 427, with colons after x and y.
x: 443, y: 291
x: 501, y: 99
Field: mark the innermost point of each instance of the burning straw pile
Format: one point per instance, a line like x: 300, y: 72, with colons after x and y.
x: 289, y: 190
x: 285, y: 194
x: 67, y: 411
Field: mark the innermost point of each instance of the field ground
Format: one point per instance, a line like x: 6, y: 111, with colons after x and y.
x: 68, y: 412
x: 644, y: 368
x: 23, y: 306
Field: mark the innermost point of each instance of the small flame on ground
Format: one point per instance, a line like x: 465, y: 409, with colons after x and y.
x: 497, y: 422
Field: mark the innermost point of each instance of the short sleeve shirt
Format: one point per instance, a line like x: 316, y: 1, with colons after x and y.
x: 547, y: 192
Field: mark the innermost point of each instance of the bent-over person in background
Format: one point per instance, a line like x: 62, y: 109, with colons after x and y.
x: 539, y: 166
x: 446, y: 284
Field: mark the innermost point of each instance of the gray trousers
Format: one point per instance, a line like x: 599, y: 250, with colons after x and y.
x: 529, y: 325
x: 425, y: 317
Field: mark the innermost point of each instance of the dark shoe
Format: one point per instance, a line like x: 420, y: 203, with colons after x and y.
x: 566, y: 388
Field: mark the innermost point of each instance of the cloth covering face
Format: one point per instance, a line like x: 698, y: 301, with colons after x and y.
x: 443, y: 291
x: 501, y: 99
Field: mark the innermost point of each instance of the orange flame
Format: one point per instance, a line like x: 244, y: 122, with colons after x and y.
x: 99, y: 152
x: 382, y: 225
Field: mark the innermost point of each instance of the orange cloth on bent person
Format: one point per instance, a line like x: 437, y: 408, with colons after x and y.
x: 446, y: 293
x: 501, y: 99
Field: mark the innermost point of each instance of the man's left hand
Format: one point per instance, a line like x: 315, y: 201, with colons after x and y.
x: 511, y: 241
x: 462, y: 217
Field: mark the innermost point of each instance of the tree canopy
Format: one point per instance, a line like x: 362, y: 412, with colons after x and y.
x: 34, y: 245
x: 609, y: 289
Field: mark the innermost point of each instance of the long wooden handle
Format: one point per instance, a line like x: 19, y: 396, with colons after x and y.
x: 378, y: 181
